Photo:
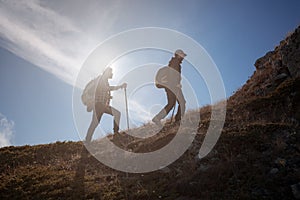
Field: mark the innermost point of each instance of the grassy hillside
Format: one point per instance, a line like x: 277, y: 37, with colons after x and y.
x: 256, y: 157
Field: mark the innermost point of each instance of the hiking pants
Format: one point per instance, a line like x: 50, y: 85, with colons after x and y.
x: 98, y: 111
x: 172, y: 98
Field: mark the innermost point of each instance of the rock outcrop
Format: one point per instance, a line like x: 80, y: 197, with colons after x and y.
x: 273, y: 68
x: 278, y: 68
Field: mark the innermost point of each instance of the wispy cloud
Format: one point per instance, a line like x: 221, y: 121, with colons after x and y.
x: 46, y: 38
x: 6, y: 131
x: 139, y: 112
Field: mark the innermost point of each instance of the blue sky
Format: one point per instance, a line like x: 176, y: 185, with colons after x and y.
x: 43, y: 45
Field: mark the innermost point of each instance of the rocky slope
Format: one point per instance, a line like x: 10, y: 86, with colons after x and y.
x: 273, y: 70
x: 256, y: 157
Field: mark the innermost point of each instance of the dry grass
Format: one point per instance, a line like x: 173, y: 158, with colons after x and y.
x: 256, y: 157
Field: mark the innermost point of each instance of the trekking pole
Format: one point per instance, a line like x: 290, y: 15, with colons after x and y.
x: 126, y: 108
x: 174, y: 108
x: 173, y: 113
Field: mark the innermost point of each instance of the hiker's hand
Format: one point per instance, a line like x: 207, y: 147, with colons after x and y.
x: 124, y: 85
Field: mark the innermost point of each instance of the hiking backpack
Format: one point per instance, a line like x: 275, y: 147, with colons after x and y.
x: 88, y: 94
x: 161, y: 78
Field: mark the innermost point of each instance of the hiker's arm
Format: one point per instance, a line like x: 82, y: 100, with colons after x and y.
x: 124, y: 85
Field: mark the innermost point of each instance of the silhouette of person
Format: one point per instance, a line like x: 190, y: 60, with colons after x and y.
x: 173, y: 90
x: 102, y: 100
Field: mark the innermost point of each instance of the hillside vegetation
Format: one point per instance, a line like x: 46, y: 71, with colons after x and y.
x: 256, y: 157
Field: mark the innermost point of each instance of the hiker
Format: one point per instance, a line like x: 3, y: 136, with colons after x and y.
x: 173, y: 89
x: 101, y: 103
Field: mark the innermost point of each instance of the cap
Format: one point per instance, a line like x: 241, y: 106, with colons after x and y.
x: 180, y: 53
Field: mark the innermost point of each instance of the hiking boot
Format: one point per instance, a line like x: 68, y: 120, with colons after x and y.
x: 115, y: 135
x: 157, y: 122
x: 177, y: 121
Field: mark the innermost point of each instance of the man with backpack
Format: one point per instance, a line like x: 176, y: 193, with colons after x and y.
x: 169, y: 78
x: 102, y: 96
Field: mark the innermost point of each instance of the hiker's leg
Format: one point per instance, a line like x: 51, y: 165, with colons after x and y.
x: 97, y: 114
x: 181, y: 105
x: 117, y: 117
x: 116, y: 114
x: 171, y: 103
x: 92, y: 127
